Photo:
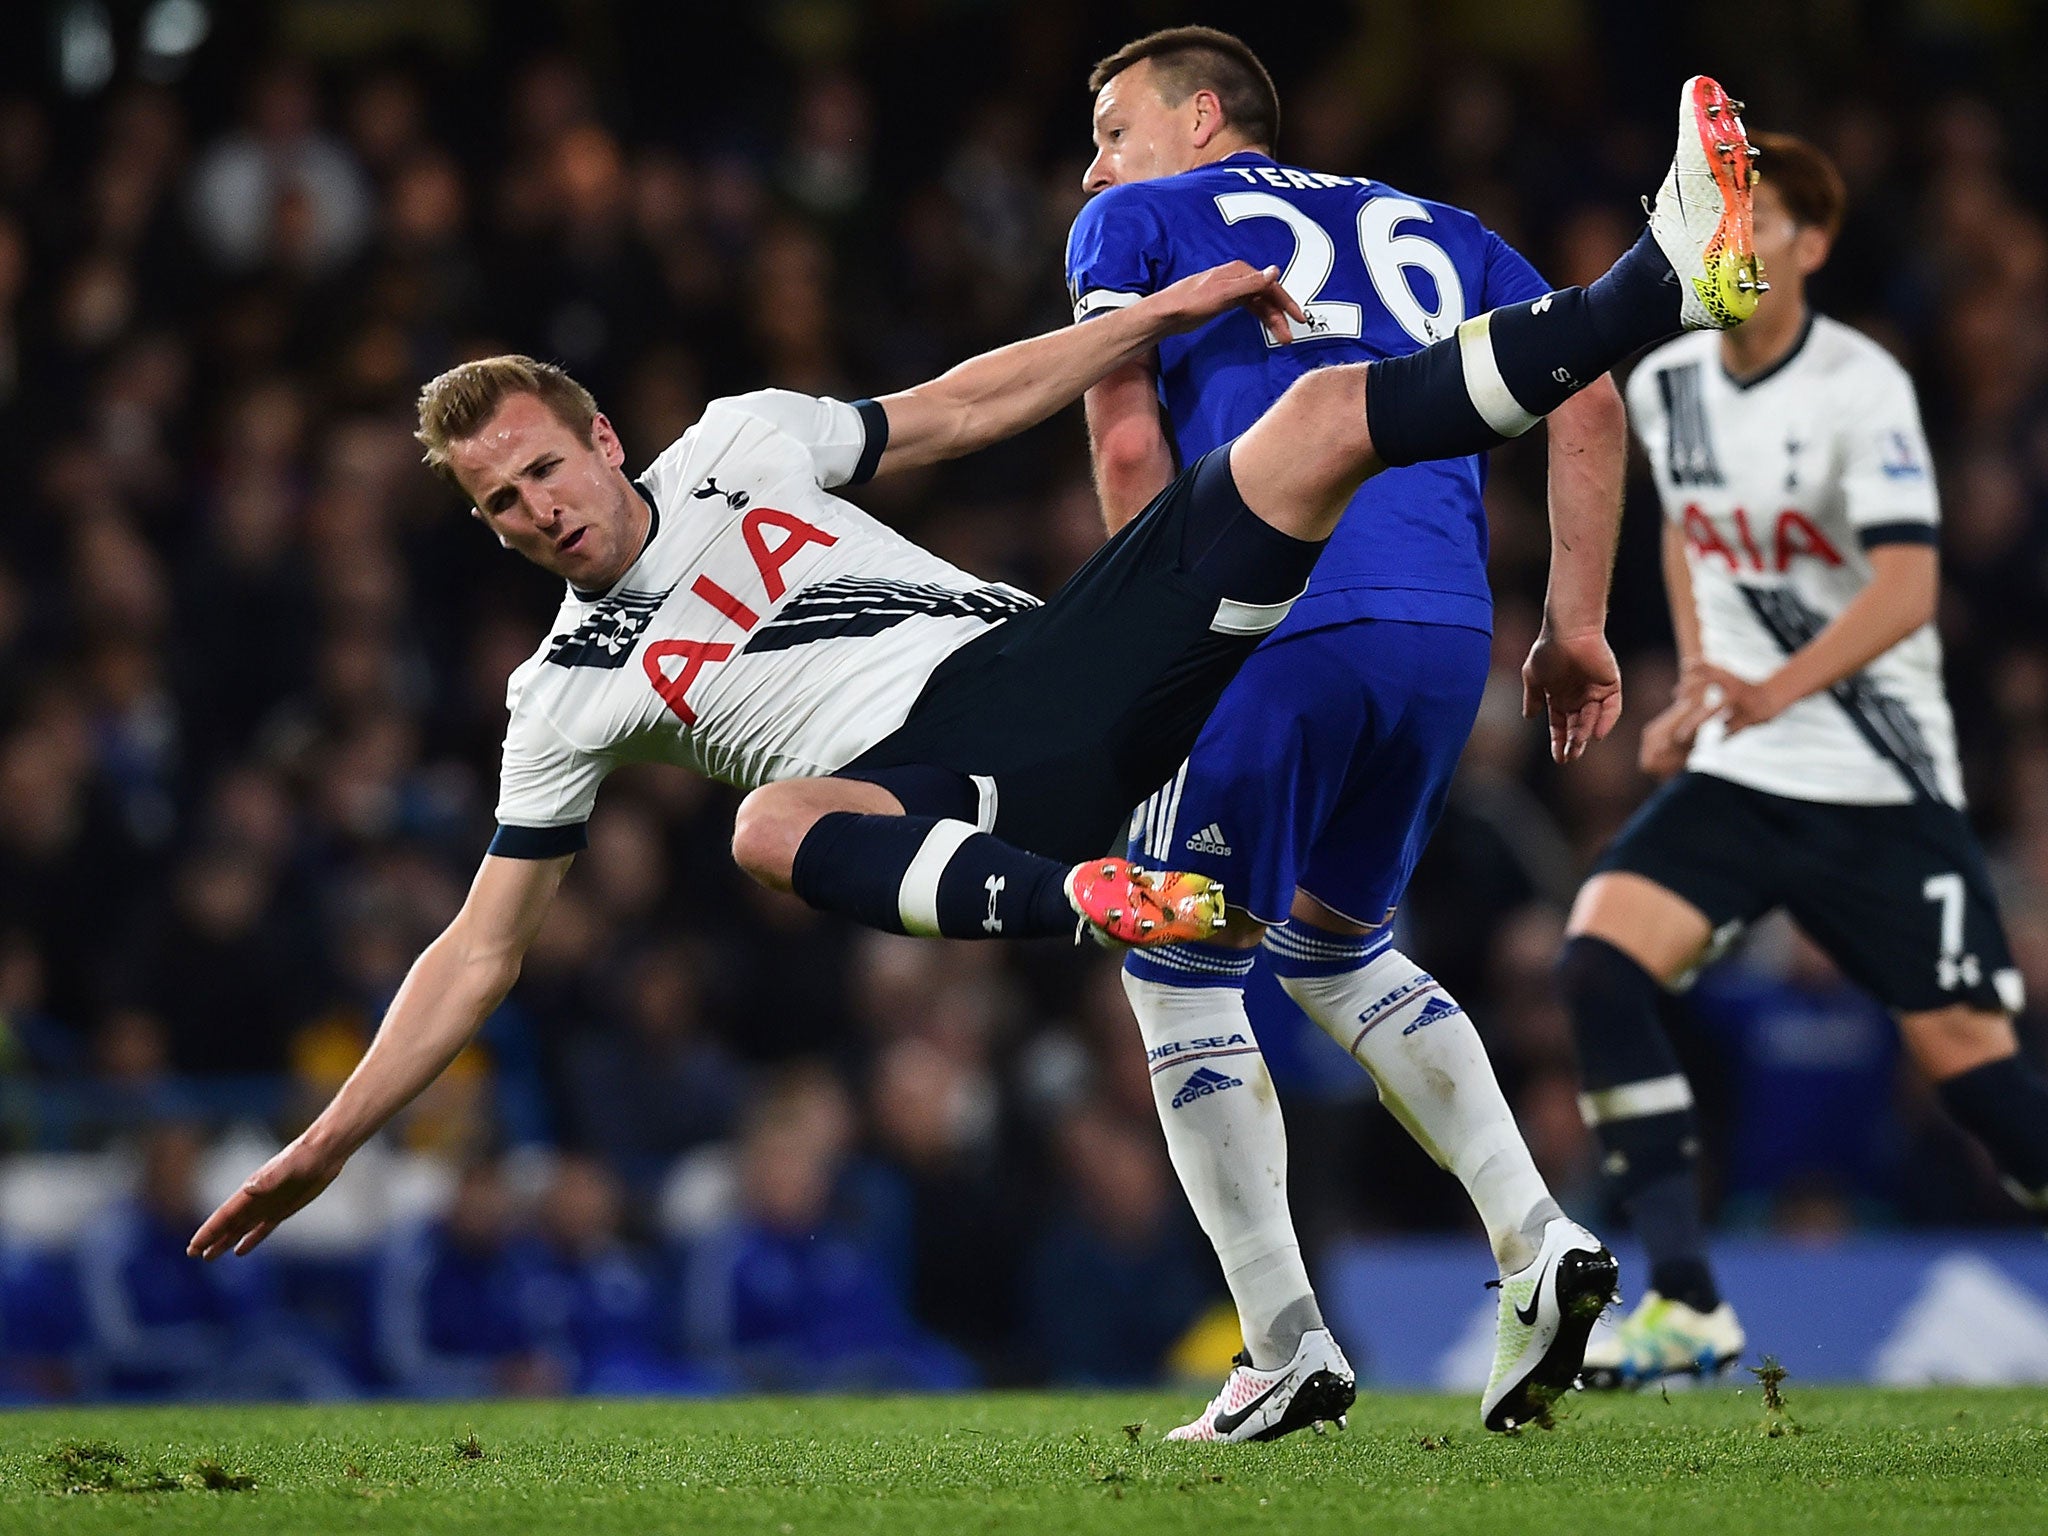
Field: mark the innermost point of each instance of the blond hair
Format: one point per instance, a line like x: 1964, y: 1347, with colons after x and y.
x: 458, y: 403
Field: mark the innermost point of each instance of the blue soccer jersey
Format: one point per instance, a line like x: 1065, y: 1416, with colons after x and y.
x: 1380, y: 274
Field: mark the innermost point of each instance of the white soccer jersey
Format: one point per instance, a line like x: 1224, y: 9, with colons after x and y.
x: 767, y: 631
x: 1781, y: 484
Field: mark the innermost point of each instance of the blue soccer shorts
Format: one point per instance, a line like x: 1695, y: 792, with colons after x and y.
x: 1324, y: 768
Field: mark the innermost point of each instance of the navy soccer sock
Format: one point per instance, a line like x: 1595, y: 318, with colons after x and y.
x: 1505, y: 370
x: 930, y: 876
x: 2004, y: 1104
x: 1639, y: 1104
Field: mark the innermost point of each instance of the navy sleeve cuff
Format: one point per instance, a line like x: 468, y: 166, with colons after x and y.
x: 875, y: 421
x: 1899, y: 533
x: 539, y: 842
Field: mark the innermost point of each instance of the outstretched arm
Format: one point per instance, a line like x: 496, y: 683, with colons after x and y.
x: 1571, y: 674
x: 1001, y: 393
x: 451, y: 989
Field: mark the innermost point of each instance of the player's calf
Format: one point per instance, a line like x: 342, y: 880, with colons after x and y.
x: 2003, y: 1103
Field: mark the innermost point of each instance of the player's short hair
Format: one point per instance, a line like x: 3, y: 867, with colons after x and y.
x: 458, y: 403
x: 1805, y: 180
x: 1188, y: 59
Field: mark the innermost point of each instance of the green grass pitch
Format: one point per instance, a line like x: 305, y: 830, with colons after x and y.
x: 1959, y: 1462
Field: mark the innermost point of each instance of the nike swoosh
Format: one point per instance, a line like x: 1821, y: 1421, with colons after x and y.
x: 1227, y: 1423
x: 1528, y: 1318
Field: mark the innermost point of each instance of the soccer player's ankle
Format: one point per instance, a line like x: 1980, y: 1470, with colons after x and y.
x: 1637, y: 301
x: 1275, y: 1305
x: 1688, y: 1281
x: 1516, y: 1248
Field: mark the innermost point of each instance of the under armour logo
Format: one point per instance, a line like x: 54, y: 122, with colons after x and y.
x: 737, y: 500
x: 994, y: 886
x: 1541, y: 304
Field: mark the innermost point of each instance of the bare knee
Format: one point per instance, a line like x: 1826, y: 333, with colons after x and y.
x: 773, y: 821
x: 1657, y: 928
x: 766, y: 833
x: 1947, y: 1042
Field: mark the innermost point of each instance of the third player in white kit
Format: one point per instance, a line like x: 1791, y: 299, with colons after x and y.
x: 1818, y: 757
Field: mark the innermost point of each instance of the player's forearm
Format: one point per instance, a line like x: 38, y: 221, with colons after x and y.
x: 1685, y: 618
x: 1899, y: 600
x: 1001, y: 393
x: 1127, y: 444
x: 445, y: 998
x: 1588, y: 454
x: 1125, y: 487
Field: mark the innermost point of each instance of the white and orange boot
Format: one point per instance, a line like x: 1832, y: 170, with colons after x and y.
x: 1122, y: 904
x: 1702, y: 220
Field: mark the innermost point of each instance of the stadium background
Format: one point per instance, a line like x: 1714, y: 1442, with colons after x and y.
x: 252, y: 663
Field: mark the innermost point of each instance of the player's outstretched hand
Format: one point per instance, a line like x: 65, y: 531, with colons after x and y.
x: 1195, y: 301
x: 1574, y: 679
x: 280, y: 1187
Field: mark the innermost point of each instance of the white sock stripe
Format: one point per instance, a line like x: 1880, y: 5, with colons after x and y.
x: 917, y: 898
x: 1298, y: 943
x: 1184, y: 957
x: 1633, y: 1101
x: 1489, y: 392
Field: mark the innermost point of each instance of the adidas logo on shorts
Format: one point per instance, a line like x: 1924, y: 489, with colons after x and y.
x: 1210, y: 841
x: 1202, y: 1082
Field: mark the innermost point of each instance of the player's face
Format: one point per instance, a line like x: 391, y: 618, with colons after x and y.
x: 1789, y: 250
x: 557, y: 499
x: 1137, y: 135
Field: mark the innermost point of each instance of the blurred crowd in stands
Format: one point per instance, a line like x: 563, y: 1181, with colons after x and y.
x: 252, y: 664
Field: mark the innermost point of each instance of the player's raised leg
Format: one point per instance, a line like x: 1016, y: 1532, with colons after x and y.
x: 1694, y: 268
x: 853, y: 846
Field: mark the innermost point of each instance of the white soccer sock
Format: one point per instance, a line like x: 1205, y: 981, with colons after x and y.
x: 1228, y: 1143
x: 1400, y: 1024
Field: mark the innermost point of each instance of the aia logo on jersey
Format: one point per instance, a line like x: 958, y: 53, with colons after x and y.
x: 1792, y: 538
x: 607, y: 635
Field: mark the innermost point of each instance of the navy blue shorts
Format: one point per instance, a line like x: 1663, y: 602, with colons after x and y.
x: 1324, y: 767
x: 1898, y: 895
x: 1051, y: 726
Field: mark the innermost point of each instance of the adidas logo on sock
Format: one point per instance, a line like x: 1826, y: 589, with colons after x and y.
x: 1210, y: 840
x: 1438, y: 1007
x: 1202, y: 1082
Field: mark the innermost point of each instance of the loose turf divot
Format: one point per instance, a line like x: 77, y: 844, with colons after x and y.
x: 1777, y: 1420
x: 100, y: 1466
